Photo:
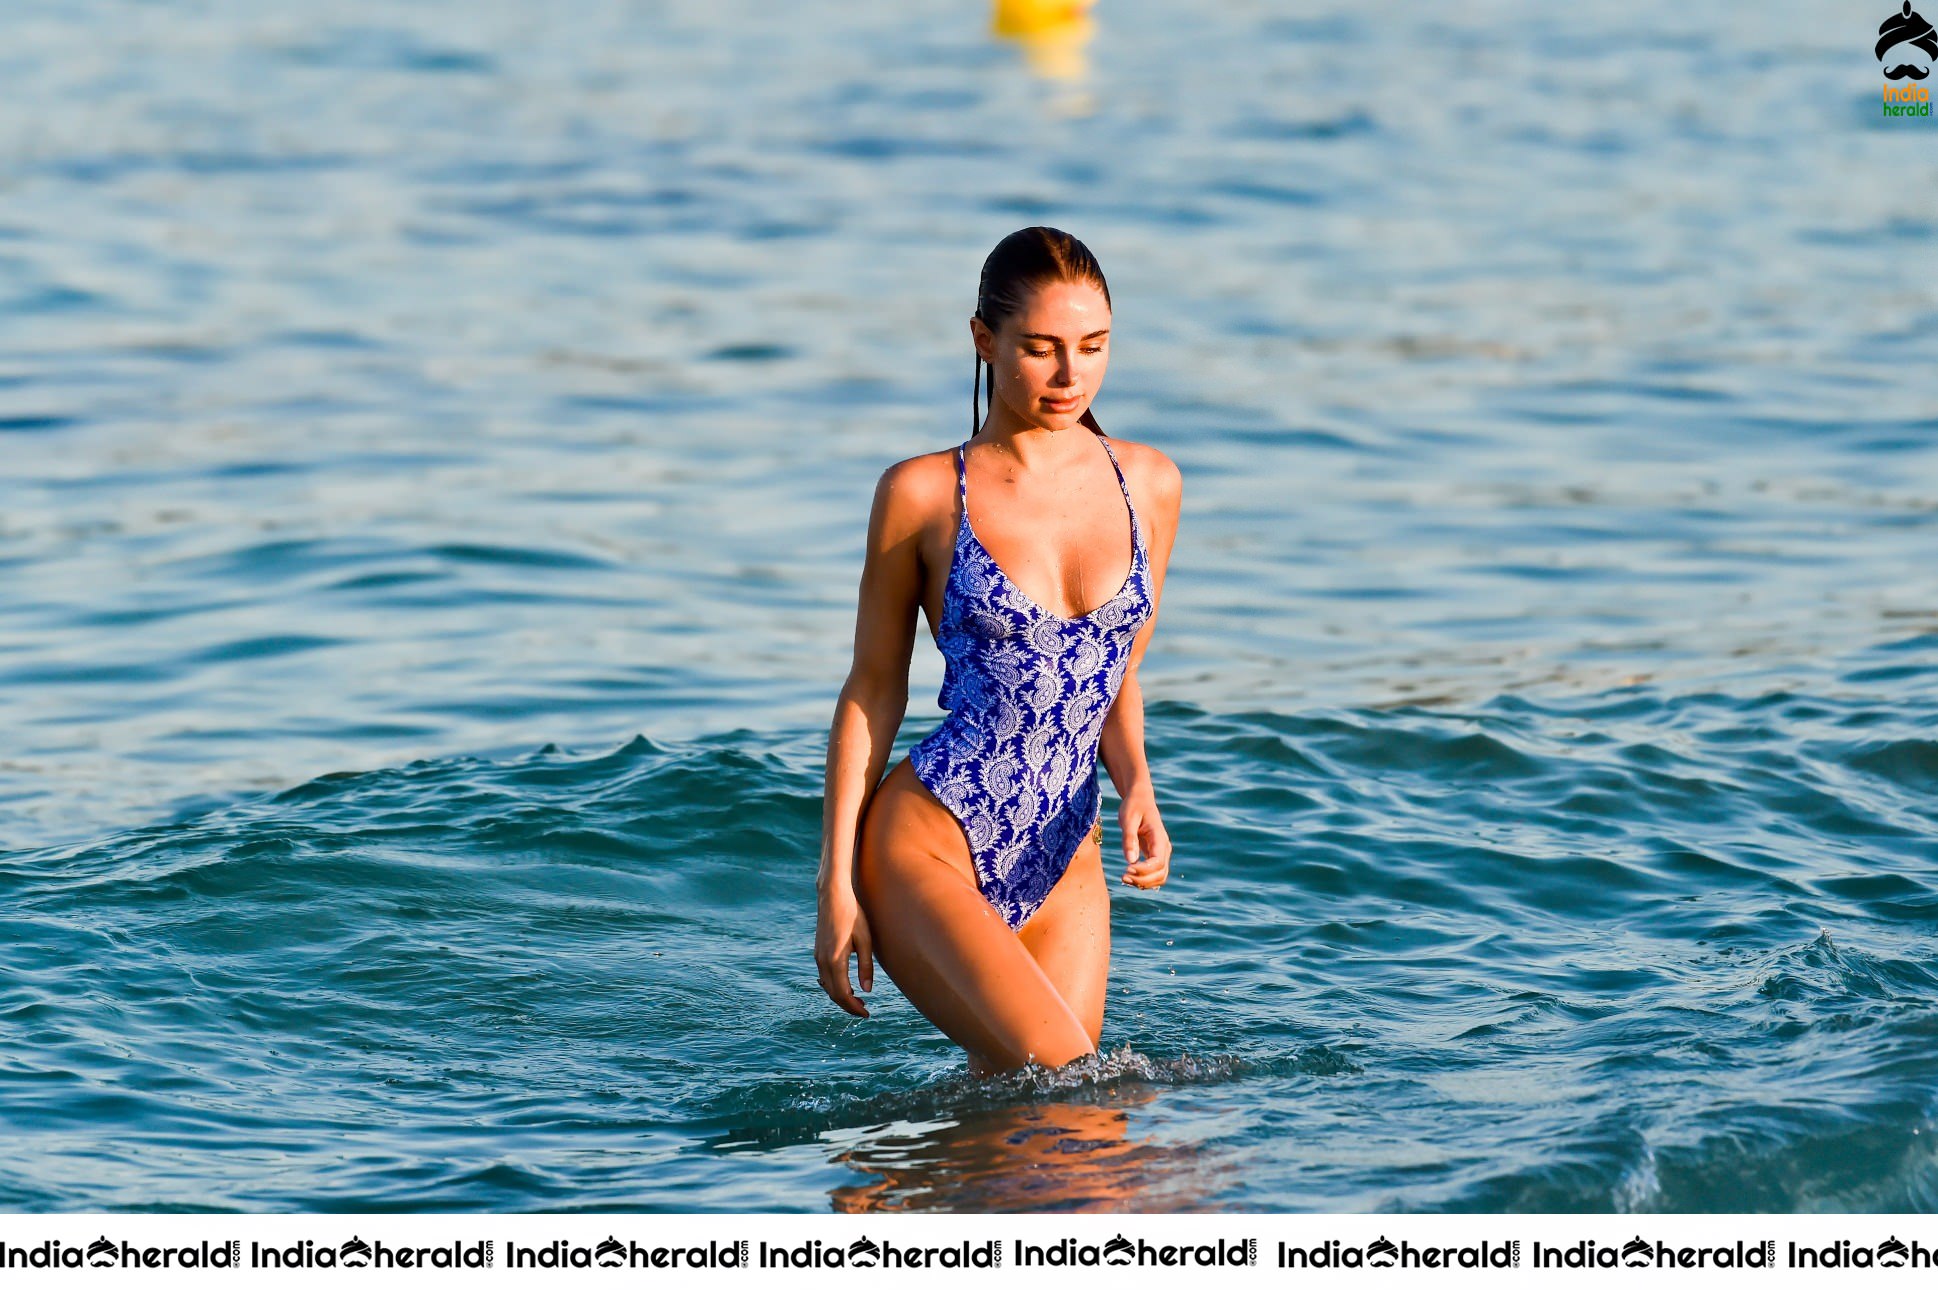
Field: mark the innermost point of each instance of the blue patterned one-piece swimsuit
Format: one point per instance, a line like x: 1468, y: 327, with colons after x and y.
x: 1015, y: 761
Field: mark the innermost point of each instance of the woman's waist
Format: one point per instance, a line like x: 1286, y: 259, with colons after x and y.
x: 1014, y: 729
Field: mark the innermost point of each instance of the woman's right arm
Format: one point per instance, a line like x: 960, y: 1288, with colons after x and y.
x: 866, y: 717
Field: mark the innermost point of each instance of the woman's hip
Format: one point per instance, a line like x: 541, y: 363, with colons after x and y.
x: 907, y: 824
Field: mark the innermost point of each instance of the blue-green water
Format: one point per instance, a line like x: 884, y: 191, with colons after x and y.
x: 435, y: 446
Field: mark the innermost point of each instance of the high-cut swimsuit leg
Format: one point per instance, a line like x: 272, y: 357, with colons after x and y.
x: 1027, y: 691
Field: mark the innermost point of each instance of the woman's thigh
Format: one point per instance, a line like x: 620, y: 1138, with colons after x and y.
x: 946, y: 948
x: 1069, y: 935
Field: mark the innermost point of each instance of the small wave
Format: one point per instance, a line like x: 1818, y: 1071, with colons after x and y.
x: 767, y: 1114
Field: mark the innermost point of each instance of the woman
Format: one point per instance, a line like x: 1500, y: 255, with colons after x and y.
x: 974, y: 870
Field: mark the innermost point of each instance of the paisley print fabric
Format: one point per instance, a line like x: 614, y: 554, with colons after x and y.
x: 1027, y: 690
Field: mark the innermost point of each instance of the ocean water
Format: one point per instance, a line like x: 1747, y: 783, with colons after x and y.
x: 435, y: 450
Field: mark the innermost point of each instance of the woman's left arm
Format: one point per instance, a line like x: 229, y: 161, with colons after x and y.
x: 1147, y: 847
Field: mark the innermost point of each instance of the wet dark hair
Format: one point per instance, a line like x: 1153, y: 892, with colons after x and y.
x: 1026, y: 260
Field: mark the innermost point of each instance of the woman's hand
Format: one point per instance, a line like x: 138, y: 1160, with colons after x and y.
x: 841, y: 929
x: 1144, y: 837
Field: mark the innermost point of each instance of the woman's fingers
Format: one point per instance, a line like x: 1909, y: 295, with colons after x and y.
x: 841, y: 929
x: 1153, y: 863
x: 834, y: 980
x: 1158, y: 840
x: 864, y: 955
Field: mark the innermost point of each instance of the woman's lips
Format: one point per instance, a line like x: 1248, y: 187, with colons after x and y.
x: 1062, y: 405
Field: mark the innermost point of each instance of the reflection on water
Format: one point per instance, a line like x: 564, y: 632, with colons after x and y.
x: 1118, y: 1131
x: 1070, y: 1157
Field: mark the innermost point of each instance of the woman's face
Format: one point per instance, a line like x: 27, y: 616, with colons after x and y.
x: 1049, y: 356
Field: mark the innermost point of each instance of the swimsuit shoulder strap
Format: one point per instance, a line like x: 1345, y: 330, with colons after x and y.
x: 962, y: 478
x: 1121, y: 481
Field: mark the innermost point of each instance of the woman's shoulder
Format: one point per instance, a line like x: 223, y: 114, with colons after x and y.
x: 924, y: 472
x: 911, y: 490
x: 1148, y: 466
